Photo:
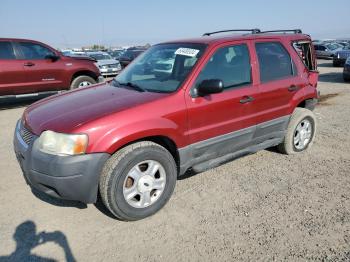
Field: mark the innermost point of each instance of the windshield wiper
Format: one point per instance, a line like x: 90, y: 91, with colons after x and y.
x: 129, y: 84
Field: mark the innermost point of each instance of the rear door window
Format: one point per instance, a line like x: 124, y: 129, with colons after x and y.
x: 33, y: 51
x: 6, y: 51
x: 274, y: 61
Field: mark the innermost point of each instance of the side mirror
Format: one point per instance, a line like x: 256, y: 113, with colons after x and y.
x: 53, y: 58
x: 210, y: 86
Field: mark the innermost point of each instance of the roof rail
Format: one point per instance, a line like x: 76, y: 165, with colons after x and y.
x: 253, y: 31
x: 295, y: 31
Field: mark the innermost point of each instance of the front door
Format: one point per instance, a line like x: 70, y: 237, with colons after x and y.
x: 41, y: 74
x: 224, y: 122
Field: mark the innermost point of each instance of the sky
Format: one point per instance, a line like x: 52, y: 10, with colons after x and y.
x: 76, y: 23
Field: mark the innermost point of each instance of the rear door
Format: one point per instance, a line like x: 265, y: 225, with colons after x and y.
x: 11, y: 70
x: 41, y: 73
x: 224, y: 122
x: 279, y: 82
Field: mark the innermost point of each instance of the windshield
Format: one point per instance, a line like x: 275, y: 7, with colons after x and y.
x: 332, y: 46
x: 162, y: 68
x: 101, y: 56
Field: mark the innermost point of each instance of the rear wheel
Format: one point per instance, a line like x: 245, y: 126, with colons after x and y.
x: 138, y: 180
x: 300, y: 132
x: 82, y: 81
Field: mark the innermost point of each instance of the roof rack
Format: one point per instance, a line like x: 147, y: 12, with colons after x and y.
x: 295, y: 31
x: 253, y: 31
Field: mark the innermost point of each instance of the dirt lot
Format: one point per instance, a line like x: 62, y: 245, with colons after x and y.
x: 264, y: 206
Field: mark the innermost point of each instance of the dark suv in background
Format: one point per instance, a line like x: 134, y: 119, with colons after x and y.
x: 30, y: 68
x: 129, y: 55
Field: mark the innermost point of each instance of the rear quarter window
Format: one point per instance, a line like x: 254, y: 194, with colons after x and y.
x: 274, y: 61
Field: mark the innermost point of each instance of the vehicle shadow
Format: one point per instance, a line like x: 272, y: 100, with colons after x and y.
x: 70, y: 203
x: 333, y: 77
x: 16, y: 104
x: 102, y: 208
x: 56, y: 201
x: 27, y: 239
x: 326, y: 63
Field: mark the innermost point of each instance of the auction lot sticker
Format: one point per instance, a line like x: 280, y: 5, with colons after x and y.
x: 187, y: 51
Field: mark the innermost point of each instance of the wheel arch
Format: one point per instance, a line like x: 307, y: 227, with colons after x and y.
x: 162, y: 140
x: 308, y: 103
x: 84, y: 73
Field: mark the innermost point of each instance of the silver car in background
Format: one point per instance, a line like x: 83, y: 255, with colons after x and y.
x: 326, y: 50
x: 108, y: 65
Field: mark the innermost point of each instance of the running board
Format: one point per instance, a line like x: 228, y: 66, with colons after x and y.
x: 10, y: 98
x: 229, y: 157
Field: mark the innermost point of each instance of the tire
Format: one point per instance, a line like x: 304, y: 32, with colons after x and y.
x: 115, y: 178
x: 300, y: 116
x: 80, y: 80
x: 346, y: 79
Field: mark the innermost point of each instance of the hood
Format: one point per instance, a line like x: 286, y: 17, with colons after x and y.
x: 65, y: 112
x: 107, y: 62
x: 77, y: 57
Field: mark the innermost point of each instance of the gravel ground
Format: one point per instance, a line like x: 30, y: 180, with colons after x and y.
x: 264, y: 206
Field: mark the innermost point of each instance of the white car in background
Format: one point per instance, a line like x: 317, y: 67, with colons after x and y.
x: 108, y: 65
x: 165, y: 62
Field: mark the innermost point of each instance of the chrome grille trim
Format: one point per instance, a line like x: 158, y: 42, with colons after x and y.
x: 26, y: 135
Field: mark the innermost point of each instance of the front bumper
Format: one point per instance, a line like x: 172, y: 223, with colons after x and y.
x: 110, y: 72
x: 100, y: 79
x: 339, y: 61
x: 346, y: 72
x: 65, y: 177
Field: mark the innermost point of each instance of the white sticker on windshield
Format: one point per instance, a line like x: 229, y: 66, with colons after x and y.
x: 187, y: 51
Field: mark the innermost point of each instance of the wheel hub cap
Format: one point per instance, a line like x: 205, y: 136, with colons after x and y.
x: 302, y: 134
x: 84, y: 83
x: 144, y: 184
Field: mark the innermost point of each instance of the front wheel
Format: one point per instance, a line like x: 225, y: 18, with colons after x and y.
x: 300, y: 132
x: 138, y: 180
x: 82, y: 81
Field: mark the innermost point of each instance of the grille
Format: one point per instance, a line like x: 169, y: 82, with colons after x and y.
x: 26, y: 135
x: 113, y: 66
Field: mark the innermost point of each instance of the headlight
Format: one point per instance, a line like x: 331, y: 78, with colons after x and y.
x: 63, y: 144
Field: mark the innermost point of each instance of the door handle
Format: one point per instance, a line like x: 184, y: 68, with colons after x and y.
x: 246, y: 99
x: 292, y: 88
x: 29, y: 64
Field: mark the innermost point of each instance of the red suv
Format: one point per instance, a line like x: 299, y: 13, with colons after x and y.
x: 30, y: 68
x: 130, y: 139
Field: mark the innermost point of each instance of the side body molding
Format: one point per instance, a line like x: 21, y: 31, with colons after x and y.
x: 218, y: 150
